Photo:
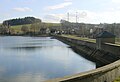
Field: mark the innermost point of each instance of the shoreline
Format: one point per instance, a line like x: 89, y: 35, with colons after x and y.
x: 28, y: 35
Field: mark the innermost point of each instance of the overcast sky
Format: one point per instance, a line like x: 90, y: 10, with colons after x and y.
x: 88, y: 11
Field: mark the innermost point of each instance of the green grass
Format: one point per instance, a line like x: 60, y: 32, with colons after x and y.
x: 80, y: 38
x: 17, y: 28
x: 117, y: 80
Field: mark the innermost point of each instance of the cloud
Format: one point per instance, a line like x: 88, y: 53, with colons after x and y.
x: 53, y: 17
x: 103, y: 17
x: 59, y: 6
x: 86, y: 16
x: 24, y: 9
x: 67, y: 0
x: 116, y: 1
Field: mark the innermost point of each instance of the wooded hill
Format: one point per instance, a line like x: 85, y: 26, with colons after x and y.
x: 21, y: 21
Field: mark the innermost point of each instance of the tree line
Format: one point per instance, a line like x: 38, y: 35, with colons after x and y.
x: 21, y: 21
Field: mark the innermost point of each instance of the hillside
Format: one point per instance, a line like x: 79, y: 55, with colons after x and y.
x: 21, y: 21
x: 17, y: 28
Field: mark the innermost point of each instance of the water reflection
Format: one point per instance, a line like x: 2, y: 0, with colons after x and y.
x: 28, y: 77
x: 28, y: 59
x: 27, y: 48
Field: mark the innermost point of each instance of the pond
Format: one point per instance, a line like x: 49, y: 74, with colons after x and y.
x: 36, y: 59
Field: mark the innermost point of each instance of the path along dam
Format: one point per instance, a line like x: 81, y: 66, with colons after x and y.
x: 106, y: 57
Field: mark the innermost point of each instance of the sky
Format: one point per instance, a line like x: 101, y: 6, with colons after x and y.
x: 87, y: 11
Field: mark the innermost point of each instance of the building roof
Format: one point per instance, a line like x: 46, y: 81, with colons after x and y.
x: 105, y: 34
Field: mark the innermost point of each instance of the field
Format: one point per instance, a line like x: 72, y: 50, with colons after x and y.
x: 17, y: 28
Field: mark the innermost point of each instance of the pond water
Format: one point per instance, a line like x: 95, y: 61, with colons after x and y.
x: 36, y: 59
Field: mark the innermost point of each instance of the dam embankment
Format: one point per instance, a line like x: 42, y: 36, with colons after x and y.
x: 107, y: 57
x: 109, y: 53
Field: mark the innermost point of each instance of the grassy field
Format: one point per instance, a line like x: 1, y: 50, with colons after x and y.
x: 80, y: 38
x: 17, y: 28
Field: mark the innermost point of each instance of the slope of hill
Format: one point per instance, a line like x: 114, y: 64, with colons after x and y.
x: 21, y: 21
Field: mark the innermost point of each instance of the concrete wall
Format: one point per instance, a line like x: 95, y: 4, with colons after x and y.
x: 112, y: 48
x: 108, y: 54
x: 102, y: 41
x: 108, y: 40
x: 107, y: 47
x: 106, y: 73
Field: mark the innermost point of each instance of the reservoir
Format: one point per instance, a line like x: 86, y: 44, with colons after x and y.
x: 36, y: 59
